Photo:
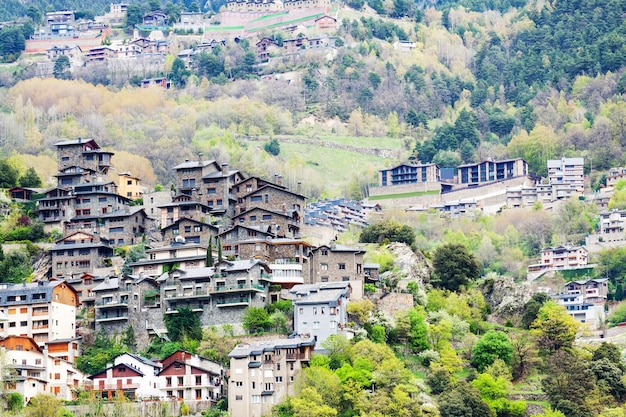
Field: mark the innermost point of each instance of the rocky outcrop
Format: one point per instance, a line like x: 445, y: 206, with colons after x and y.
x: 505, y: 297
x: 42, y: 267
x: 409, y: 267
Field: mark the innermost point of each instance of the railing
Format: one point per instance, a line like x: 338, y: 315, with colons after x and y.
x: 226, y: 288
x: 103, y: 317
x: 111, y: 303
x: 185, y: 294
x: 266, y: 276
x: 226, y: 301
x: 40, y: 327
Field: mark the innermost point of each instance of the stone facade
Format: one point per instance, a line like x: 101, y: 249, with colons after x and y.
x: 84, y: 153
x: 77, y: 253
x: 332, y: 263
x: 277, y: 223
x: 192, y: 231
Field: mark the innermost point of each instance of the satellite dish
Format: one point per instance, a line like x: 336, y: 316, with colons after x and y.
x: 179, y: 239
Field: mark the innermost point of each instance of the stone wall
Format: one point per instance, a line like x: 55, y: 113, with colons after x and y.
x: 393, y: 302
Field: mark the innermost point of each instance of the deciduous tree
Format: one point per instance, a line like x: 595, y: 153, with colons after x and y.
x: 454, y: 266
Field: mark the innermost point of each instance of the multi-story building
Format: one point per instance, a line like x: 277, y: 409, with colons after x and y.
x: 126, y: 226
x: 612, y: 223
x: 220, y: 293
x: 523, y: 196
x: 561, y: 257
x: 193, y: 231
x: 44, y: 310
x: 129, y: 186
x: 568, y: 171
x: 83, y: 153
x: 178, y: 254
x: 35, y: 371
x: 333, y: 263
x: 320, y: 310
x: 585, y: 300
x: 491, y: 171
x: 189, y: 377
x: 262, y: 374
x: 184, y: 207
x: 277, y: 223
x: 615, y: 174
x: 409, y: 174
x: 78, y: 253
x: 132, y: 376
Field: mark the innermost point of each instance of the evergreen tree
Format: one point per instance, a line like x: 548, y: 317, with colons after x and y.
x: 209, y: 253
x: 30, y: 178
x: 219, y: 249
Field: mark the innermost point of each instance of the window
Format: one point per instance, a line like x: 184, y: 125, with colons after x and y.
x: 197, y: 228
x: 168, y: 382
x: 314, y: 310
x: 23, y: 310
x: 180, y: 380
x: 341, y: 266
x: 324, y: 267
x: 256, y: 199
x: 324, y: 279
x: 279, y: 379
x: 267, y: 217
x: 324, y: 252
x: 198, y: 379
x: 269, y: 386
x: 252, y: 218
x: 23, y: 323
x: 255, y: 399
x: 316, y: 324
x: 211, y: 191
x: 12, y: 324
x: 187, y: 229
x: 238, y: 397
x: 301, y: 310
x: 116, y: 229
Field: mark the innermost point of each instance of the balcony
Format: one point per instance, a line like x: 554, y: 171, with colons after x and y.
x: 111, y: 317
x: 232, y: 302
x: 223, y: 289
x: 188, y: 294
x: 112, y: 303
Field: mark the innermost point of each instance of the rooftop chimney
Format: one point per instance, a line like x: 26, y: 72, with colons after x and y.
x: 200, y: 158
x: 225, y: 169
x: 279, y: 180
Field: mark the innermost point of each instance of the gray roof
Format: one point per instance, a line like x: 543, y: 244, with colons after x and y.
x: 323, y: 293
x: 218, y: 174
x: 110, y: 284
x: 142, y: 359
x: 28, y: 290
x: 75, y: 142
x: 62, y: 246
x: 194, y: 164
x: 162, y: 261
x: 257, y: 348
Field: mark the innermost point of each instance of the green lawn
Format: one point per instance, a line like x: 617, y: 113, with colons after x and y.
x: 379, y: 143
x: 403, y: 195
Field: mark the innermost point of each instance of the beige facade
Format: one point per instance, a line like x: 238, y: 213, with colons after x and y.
x: 561, y: 257
x: 568, y: 172
x: 129, y: 186
x: 263, y: 373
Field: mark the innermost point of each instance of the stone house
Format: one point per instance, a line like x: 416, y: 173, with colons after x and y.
x: 178, y: 254
x: 184, y: 207
x: 274, y: 198
x: 74, y: 175
x: 121, y: 302
x: 193, y: 231
x: 220, y: 293
x: 278, y: 223
x: 121, y: 227
x: 294, y: 45
x: 232, y: 238
x: 333, y: 263
x: 84, y: 153
x: 78, y: 252
x: 72, y: 52
x: 584, y: 300
x: 156, y: 18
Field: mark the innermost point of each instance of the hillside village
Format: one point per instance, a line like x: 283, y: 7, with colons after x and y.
x: 220, y: 242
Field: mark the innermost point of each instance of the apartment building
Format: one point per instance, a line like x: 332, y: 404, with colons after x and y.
x: 567, y: 172
x: 44, y: 310
x: 584, y: 300
x: 490, y: 171
x: 79, y: 253
x: 409, y: 174
x: 160, y: 260
x: 320, y: 310
x: 262, y: 374
x: 561, y: 257
x: 34, y: 371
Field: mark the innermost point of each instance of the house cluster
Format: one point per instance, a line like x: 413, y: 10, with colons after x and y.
x: 406, y: 178
x: 339, y: 213
x: 40, y: 346
x: 273, y: 5
x: 267, y: 48
x: 559, y: 258
x: 64, y: 25
x: 585, y: 300
x: 565, y: 179
x: 220, y: 242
